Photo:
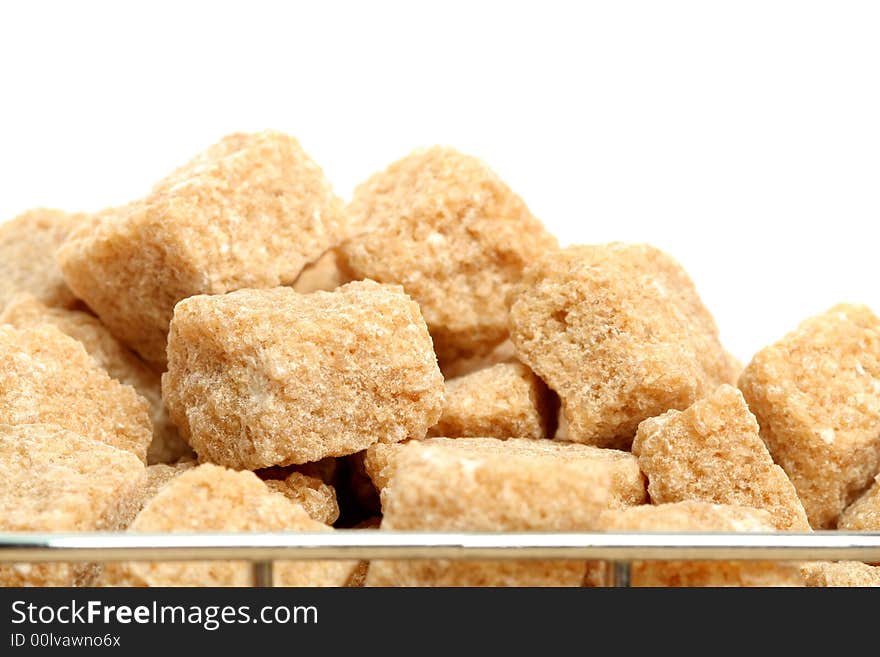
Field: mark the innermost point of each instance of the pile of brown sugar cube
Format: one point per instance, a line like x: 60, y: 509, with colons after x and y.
x: 239, y: 350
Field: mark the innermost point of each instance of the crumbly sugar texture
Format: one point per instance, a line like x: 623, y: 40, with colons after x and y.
x: 841, y: 574
x: 503, y: 401
x: 272, y: 377
x: 54, y: 480
x: 864, y: 513
x: 211, y: 498
x: 712, y: 452
x: 250, y: 212
x: 701, y: 516
x: 444, y: 226
x: 486, y: 484
x: 323, y: 275
x: 27, y: 256
x: 816, y: 394
x: 312, y: 494
x: 160, y: 474
x: 378, y: 461
x: 26, y: 311
x: 619, y: 332
x: 46, y: 377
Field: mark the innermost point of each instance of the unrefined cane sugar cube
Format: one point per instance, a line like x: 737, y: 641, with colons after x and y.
x: 272, y: 377
x: 503, y: 401
x: 841, y: 573
x: 444, y: 226
x: 706, y: 517
x: 27, y: 256
x: 712, y: 452
x: 864, y: 513
x: 25, y: 311
x: 86, y: 224
x: 485, y: 484
x: 312, y: 494
x: 687, y: 516
x: 210, y: 498
x: 626, y: 484
x: 816, y: 394
x: 249, y: 212
x: 378, y: 461
x: 54, y: 480
x: 46, y: 377
x: 619, y: 332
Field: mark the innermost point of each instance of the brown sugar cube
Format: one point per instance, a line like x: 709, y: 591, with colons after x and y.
x: 503, y: 401
x: 27, y: 256
x: 53, y: 480
x: 701, y: 516
x: 864, y: 513
x: 619, y: 332
x: 503, y: 353
x: 485, y: 484
x: 816, y: 394
x: 313, y: 495
x: 841, y: 573
x: 273, y: 377
x: 626, y: 486
x: 46, y: 377
x: 25, y: 311
x: 444, y: 226
x: 377, y: 461
x: 211, y: 498
x: 712, y: 452
x: 250, y: 212
x: 322, y: 275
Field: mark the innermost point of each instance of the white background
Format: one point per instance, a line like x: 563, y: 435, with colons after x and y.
x: 742, y: 137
